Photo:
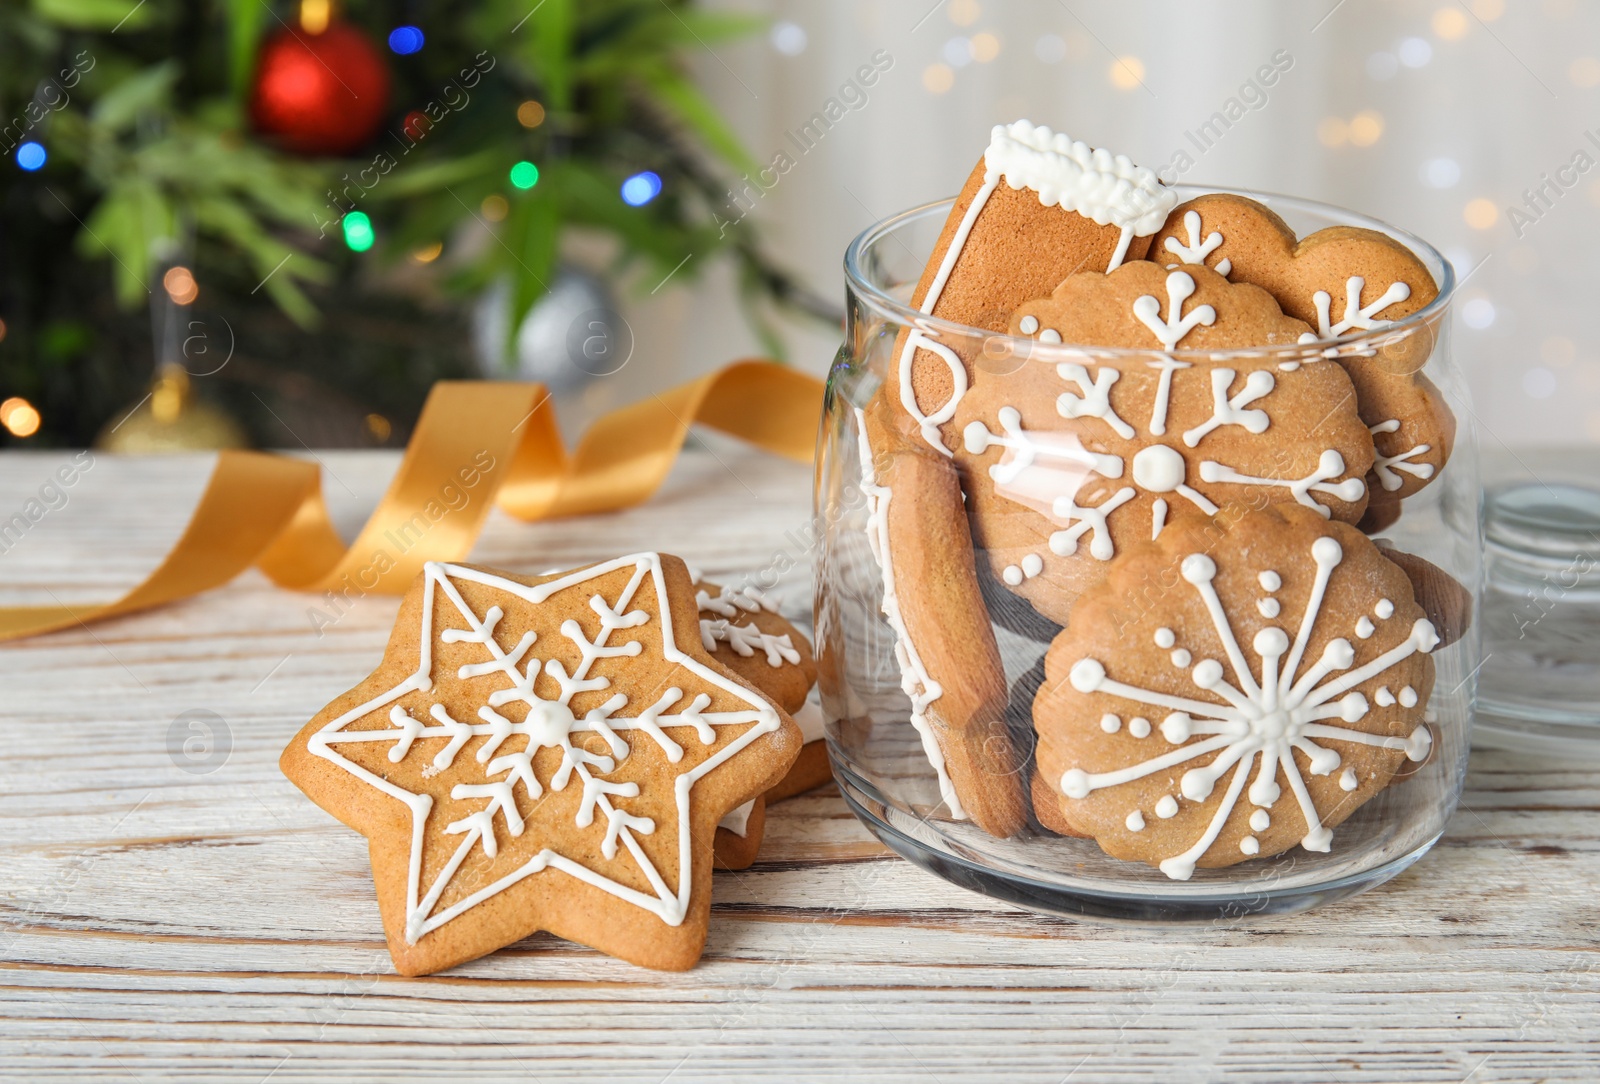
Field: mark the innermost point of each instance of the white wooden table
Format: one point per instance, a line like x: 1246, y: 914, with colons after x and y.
x: 173, y: 915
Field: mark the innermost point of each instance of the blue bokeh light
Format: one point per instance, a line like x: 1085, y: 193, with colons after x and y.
x: 641, y: 188
x: 406, y: 40
x: 31, y: 155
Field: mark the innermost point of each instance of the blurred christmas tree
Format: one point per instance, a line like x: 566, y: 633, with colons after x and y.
x: 311, y: 191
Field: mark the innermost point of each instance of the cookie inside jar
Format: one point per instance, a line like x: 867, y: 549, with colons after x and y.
x: 1202, y: 389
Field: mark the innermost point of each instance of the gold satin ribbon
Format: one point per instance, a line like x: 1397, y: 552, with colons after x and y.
x: 476, y: 443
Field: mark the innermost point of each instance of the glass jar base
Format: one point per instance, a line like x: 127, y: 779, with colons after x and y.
x: 914, y: 839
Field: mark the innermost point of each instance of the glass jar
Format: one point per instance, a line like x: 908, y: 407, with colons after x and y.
x: 892, y: 751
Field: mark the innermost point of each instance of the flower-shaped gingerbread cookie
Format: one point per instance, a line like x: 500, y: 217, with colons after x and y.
x: 1342, y: 281
x: 1073, y: 457
x: 544, y: 753
x: 1279, y: 683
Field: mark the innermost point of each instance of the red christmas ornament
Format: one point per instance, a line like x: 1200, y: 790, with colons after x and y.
x: 320, y: 93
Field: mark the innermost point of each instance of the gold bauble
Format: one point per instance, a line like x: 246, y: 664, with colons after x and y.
x: 171, y: 419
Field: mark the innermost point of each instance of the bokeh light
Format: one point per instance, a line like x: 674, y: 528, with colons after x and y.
x: 1584, y: 72
x: 427, y: 253
x: 1415, y: 52
x: 1538, y: 382
x: 494, y: 207
x: 985, y: 47
x: 1450, y: 23
x: 1478, y: 314
x: 180, y: 285
x: 641, y: 188
x: 406, y: 40
x: 20, y: 417
x: 1050, y: 48
x: 416, y: 125
x: 788, y: 38
x: 31, y: 155
x: 315, y: 15
x: 1126, y: 72
x: 1441, y: 172
x: 1366, y: 128
x: 965, y: 12
x: 524, y: 174
x: 358, y: 232
x: 378, y: 427
x: 1481, y: 213
x: 938, y: 78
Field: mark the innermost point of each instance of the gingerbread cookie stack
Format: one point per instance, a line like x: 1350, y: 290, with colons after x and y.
x: 1199, y: 416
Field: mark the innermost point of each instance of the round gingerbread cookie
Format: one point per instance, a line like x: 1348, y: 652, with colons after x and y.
x: 1345, y: 282
x: 1277, y: 685
x: 1038, y: 207
x: 1076, y: 456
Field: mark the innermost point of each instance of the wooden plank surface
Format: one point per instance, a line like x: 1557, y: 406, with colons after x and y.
x: 173, y: 914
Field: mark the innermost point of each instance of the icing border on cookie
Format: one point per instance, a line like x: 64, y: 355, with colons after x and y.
x: 914, y: 677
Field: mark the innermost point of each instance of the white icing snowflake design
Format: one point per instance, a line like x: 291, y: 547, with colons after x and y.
x: 1052, y: 465
x: 509, y: 746
x: 1267, y: 713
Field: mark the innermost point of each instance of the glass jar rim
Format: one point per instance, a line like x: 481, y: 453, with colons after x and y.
x: 901, y: 312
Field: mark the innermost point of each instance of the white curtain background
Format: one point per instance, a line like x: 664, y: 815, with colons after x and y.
x: 1434, y: 115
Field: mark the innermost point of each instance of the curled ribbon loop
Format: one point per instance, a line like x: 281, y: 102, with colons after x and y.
x: 267, y: 510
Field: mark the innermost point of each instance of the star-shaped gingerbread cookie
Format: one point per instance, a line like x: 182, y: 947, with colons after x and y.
x: 544, y: 753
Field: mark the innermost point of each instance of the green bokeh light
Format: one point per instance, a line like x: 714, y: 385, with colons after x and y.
x: 358, y: 232
x: 524, y: 174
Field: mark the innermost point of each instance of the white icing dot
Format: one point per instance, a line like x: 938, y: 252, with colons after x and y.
x: 1180, y: 658
x: 1408, y: 697
x: 1176, y: 728
x: 1347, y: 780
x: 1159, y: 469
x: 1384, y: 697
x: 1139, y: 728
x: 1135, y: 821
x: 1028, y: 324
x: 1198, y: 568
x: 1167, y: 807
x: 1032, y: 565
x: 1165, y: 638
x: 1075, y: 783
x: 1384, y: 609
x: 1260, y: 820
x: 1269, y: 581
x: 1012, y: 575
x: 1049, y: 335
x: 1086, y: 675
x: 1364, y: 627
x: 1207, y: 673
x: 1271, y: 641
x: 1110, y: 723
x: 1250, y: 845
x: 1267, y: 607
